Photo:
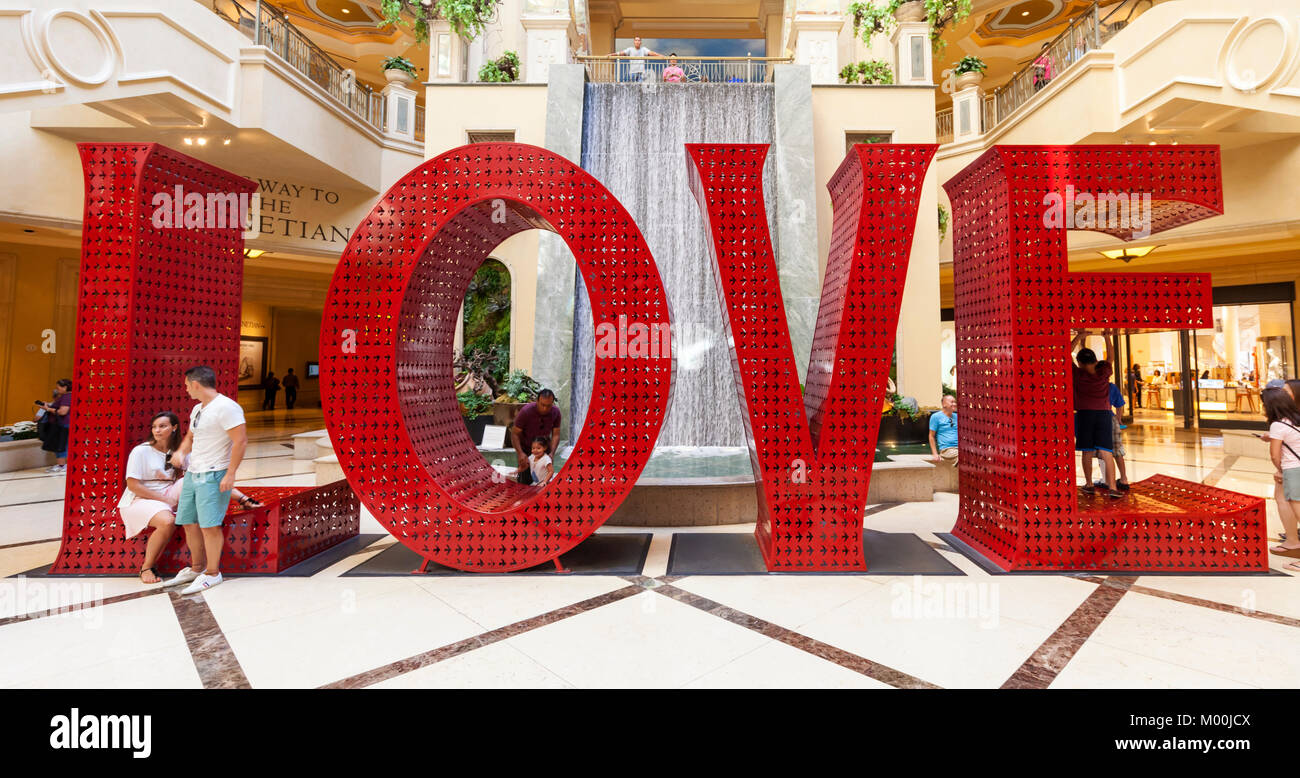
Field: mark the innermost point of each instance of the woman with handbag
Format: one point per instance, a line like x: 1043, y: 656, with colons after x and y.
x: 1284, y: 447
x: 58, y: 426
x: 153, y: 487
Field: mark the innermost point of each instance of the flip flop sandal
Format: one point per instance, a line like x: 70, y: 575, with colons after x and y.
x: 153, y: 570
x: 249, y: 503
x: 1115, y: 494
x: 1293, y: 567
x: 1089, y: 489
x: 1287, y: 552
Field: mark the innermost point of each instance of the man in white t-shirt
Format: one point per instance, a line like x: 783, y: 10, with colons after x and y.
x: 215, y: 446
x: 636, y: 68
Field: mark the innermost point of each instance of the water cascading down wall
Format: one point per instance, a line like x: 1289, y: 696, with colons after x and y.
x: 632, y: 142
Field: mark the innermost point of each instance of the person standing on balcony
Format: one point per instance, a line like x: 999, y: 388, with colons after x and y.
x: 673, y: 74
x: 1042, y: 68
x: 636, y: 68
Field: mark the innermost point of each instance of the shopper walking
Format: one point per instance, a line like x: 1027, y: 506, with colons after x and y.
x: 290, y: 384
x: 271, y: 385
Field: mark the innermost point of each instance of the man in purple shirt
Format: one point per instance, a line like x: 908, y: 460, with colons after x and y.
x: 1093, y: 433
x: 539, y: 419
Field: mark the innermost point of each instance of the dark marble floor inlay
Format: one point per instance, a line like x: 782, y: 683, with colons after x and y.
x: 214, y: 659
x: 1047, y: 662
x: 839, y: 656
x: 402, y: 666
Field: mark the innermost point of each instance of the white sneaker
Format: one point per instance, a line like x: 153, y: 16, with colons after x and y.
x: 203, y: 583
x: 56, y: 469
x: 186, y: 575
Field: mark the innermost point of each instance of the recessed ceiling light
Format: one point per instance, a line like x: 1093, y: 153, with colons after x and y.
x: 225, y: 142
x: 1152, y: 143
x: 1024, y: 13
x: 347, y: 11
x: 189, y: 141
x: 203, y: 141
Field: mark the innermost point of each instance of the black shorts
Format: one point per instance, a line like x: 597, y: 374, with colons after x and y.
x: 1093, y: 431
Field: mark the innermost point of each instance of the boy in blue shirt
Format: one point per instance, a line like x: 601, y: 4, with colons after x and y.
x: 1117, y: 402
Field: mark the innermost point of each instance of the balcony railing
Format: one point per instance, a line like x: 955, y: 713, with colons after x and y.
x: 694, y: 70
x: 419, y: 123
x: 267, y: 26
x: 1090, y: 30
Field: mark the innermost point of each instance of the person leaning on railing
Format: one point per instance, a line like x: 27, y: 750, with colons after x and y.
x: 636, y: 68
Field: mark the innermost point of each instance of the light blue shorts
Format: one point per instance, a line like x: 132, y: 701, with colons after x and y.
x: 202, y: 501
x: 1291, y: 483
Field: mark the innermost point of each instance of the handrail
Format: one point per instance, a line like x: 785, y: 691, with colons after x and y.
x: 695, y: 70
x: 1087, y: 32
x: 268, y: 26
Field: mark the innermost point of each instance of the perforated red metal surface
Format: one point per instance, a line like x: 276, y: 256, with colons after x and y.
x: 386, y: 349
x: 153, y: 302
x: 813, y: 456
x: 1015, y: 303
x: 296, y: 524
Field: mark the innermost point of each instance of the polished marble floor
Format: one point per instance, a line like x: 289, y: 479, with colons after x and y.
x: 649, y: 630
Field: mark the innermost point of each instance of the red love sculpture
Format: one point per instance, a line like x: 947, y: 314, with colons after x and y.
x: 386, y: 357
x: 813, y: 454
x: 1015, y: 304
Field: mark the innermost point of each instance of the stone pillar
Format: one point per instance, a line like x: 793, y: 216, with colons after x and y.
x: 796, y: 207
x: 399, y: 109
x: 912, y: 63
x: 967, y: 114
x: 816, y: 44
x: 546, y: 43
x: 556, y: 269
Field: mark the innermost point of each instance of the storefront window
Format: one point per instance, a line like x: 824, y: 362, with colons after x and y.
x: 1249, y: 346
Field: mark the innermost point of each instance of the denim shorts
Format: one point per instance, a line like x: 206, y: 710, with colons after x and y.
x: 202, y: 501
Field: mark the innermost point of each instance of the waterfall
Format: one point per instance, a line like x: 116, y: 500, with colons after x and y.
x: 632, y: 138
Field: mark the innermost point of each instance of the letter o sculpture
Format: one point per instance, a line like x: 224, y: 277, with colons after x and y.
x: 387, y: 334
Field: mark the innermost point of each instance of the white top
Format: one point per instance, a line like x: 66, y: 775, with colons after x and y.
x: 148, y: 465
x: 538, y: 466
x: 209, y: 424
x: 636, y: 65
x: 1280, y: 430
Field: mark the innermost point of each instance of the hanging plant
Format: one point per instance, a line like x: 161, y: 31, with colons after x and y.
x: 877, y: 16
x: 466, y: 17
x: 943, y: 222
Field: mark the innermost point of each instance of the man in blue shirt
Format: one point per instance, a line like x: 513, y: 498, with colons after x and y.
x: 943, y: 432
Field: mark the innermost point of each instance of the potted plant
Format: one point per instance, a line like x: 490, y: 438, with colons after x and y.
x: 518, y: 389
x: 943, y: 222
x: 876, y: 16
x: 503, y: 69
x: 477, y: 411
x: 903, y: 422
x: 969, y: 71
x: 872, y: 71
x: 399, y: 70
